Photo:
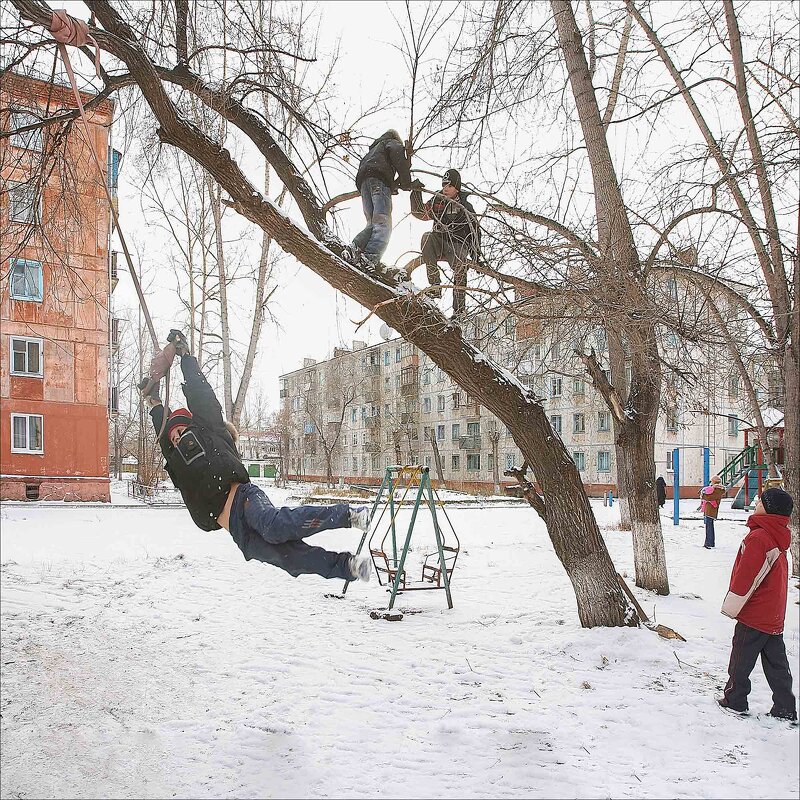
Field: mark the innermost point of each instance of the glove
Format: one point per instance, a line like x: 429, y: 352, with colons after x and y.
x: 417, y: 185
x: 178, y: 340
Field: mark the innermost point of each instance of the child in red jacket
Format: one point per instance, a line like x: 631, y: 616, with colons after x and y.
x: 757, y: 601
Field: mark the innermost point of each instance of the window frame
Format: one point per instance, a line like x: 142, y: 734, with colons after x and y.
x: 13, y: 263
x: 37, y: 133
x: 27, y: 417
x: 37, y: 207
x: 473, y: 456
x: 580, y: 463
x: 578, y: 417
x: 607, y: 454
x: 28, y: 340
x: 606, y: 417
x: 559, y: 427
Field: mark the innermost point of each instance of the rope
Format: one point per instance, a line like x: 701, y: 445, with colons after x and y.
x: 67, y: 30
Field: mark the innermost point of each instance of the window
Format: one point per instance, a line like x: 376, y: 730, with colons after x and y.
x: 490, y: 462
x: 24, y: 204
x: 578, y: 423
x: 511, y: 325
x: 26, y: 280
x: 733, y: 387
x: 426, y: 377
x: 26, y: 433
x: 355, y: 439
x: 672, y: 288
x: 555, y: 350
x: 578, y: 386
x: 440, y: 403
x: 672, y: 420
x: 353, y: 414
x: 441, y: 375
x: 426, y: 405
x: 455, y: 431
x: 363, y: 412
x: 511, y: 460
x: 363, y: 437
x: 733, y: 425
x: 386, y: 410
x: 473, y: 429
x: 114, y: 161
x: 555, y: 423
x: 440, y: 432
x: 456, y: 399
x: 26, y: 356
x: 603, y: 421
x: 397, y: 356
x: 604, y: 461
x: 385, y: 358
x: 579, y: 457
x: 555, y: 387
x: 355, y: 464
x: 28, y: 140
x: 427, y: 461
x: 473, y: 461
x: 455, y: 463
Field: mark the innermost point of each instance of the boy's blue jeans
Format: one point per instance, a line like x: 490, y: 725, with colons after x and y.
x: 275, y: 535
x: 709, y: 532
x: 376, y: 197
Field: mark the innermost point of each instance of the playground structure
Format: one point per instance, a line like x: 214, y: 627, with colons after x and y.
x: 748, y: 466
x: 438, y: 565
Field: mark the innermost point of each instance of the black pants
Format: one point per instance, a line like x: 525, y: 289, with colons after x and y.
x: 437, y: 247
x: 748, y: 644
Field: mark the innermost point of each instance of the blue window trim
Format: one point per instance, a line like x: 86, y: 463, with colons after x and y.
x: 14, y: 262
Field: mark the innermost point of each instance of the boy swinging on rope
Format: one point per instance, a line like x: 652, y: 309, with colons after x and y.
x: 204, y: 464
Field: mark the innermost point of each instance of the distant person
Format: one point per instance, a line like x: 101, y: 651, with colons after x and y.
x: 382, y: 170
x: 661, y: 491
x: 455, y: 237
x: 710, y: 498
x: 757, y: 601
x: 204, y: 465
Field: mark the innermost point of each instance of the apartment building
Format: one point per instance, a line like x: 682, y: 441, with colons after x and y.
x: 55, y: 288
x: 373, y: 405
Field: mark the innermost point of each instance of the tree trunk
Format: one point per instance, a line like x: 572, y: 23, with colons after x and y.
x: 437, y: 458
x: 791, y: 420
x: 494, y: 437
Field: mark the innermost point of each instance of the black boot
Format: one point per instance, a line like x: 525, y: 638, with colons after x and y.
x: 177, y: 338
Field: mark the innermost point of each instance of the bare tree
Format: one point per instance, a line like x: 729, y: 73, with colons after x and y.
x: 570, y: 521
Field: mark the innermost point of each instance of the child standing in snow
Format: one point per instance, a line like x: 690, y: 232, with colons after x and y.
x: 710, y: 497
x: 204, y: 464
x: 757, y: 600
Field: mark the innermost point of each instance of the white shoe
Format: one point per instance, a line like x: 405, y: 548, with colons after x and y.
x: 360, y: 568
x: 359, y: 518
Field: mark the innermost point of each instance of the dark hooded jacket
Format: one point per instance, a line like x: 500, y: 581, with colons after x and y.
x: 205, y: 461
x: 455, y: 219
x: 386, y: 160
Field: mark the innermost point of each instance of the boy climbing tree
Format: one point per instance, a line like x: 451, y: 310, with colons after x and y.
x: 455, y: 237
x: 204, y: 464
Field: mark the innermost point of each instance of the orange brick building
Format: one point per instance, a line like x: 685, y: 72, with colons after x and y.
x: 55, y: 286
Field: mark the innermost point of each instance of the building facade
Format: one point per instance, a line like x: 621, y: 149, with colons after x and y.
x: 55, y: 287
x: 403, y: 408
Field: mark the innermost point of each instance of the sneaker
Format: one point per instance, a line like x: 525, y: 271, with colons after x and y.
x: 723, y: 703
x: 360, y: 568
x: 351, y: 254
x: 359, y: 518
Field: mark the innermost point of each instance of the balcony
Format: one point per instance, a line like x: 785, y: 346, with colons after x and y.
x: 408, y: 418
x: 469, y: 443
x: 409, y: 390
x: 372, y: 447
x: 113, y: 401
x: 372, y: 369
x: 115, y: 337
x: 372, y: 422
x: 410, y: 361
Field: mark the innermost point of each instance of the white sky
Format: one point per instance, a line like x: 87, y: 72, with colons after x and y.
x: 312, y: 317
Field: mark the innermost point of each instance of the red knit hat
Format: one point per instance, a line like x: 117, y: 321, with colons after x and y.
x: 180, y: 416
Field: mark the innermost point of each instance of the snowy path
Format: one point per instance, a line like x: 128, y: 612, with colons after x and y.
x: 143, y: 658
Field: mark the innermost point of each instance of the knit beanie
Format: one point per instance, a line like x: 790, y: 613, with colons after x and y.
x: 776, y: 501
x: 453, y: 177
x: 180, y: 416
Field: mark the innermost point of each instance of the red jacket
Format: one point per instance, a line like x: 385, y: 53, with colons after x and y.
x: 757, y: 594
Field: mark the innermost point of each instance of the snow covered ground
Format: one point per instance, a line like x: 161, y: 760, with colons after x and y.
x: 144, y: 658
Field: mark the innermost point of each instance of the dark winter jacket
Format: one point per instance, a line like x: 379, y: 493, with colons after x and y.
x: 386, y: 159
x: 455, y: 219
x: 757, y: 595
x: 205, y: 462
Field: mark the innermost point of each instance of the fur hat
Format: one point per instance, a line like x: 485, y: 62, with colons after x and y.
x: 776, y: 501
x: 180, y: 416
x: 231, y: 428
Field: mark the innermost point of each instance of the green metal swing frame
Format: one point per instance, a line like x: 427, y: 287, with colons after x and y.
x: 425, y: 493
